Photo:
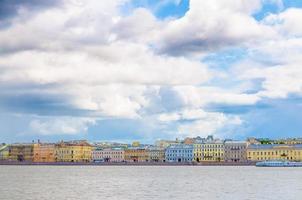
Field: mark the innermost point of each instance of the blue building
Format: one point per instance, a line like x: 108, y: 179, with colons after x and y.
x: 179, y: 153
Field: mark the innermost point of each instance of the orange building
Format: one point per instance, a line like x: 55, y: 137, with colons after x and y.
x: 136, y: 154
x: 189, y: 140
x: 44, y: 152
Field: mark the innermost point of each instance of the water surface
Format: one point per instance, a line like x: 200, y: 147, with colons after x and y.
x: 149, y: 182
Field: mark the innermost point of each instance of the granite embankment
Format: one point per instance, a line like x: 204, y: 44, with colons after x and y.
x: 130, y: 163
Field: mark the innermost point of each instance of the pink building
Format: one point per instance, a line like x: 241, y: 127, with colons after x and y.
x: 108, y: 155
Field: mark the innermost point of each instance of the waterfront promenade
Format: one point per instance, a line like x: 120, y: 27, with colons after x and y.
x: 130, y: 163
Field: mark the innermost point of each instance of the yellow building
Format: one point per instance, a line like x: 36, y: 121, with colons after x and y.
x: 21, y: 152
x: 136, y: 154
x: 209, y: 152
x: 73, y: 151
x: 136, y: 144
x: 274, y: 152
x: 197, y: 152
x: 4, y: 152
x: 44, y: 152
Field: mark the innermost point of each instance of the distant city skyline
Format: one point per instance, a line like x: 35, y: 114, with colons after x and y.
x: 130, y: 70
x: 188, y: 150
x: 289, y: 140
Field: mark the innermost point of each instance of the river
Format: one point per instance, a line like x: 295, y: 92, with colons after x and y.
x: 149, y: 182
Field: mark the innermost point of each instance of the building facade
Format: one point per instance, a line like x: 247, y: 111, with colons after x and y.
x: 21, y: 152
x: 44, y: 152
x: 274, y: 152
x: 136, y: 154
x: 210, y: 151
x: 235, y: 151
x: 108, y: 155
x: 73, y: 151
x: 156, y: 154
x: 4, y: 152
x: 179, y: 153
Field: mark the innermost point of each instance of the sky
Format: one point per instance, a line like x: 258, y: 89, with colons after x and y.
x: 124, y: 70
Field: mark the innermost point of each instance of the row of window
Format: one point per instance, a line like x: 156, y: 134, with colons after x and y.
x: 67, y: 157
x: 107, y: 156
x: 180, y: 159
x: 107, y: 152
x: 209, y: 150
x: 205, y: 154
x: 179, y: 155
x: 274, y: 153
x: 72, y: 152
x: 179, y: 151
x: 235, y: 147
x: 235, y: 154
x: 210, y: 145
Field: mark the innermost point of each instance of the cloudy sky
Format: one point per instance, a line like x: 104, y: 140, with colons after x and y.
x: 147, y: 69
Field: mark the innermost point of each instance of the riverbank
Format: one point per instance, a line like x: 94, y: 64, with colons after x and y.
x: 129, y: 164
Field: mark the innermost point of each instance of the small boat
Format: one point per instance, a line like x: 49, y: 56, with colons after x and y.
x: 278, y: 163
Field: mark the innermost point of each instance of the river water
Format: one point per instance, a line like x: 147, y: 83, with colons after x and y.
x: 149, y: 182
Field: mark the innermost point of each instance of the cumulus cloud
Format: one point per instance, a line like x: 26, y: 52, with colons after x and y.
x: 197, y: 122
x: 87, y: 55
x: 210, y: 125
x: 194, y: 96
x: 278, y: 81
x: 87, y: 59
x: 287, y: 22
x: 10, y: 8
x: 210, y: 25
x: 60, y: 125
x: 277, y: 62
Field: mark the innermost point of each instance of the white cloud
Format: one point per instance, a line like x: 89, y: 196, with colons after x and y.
x: 210, y: 25
x: 275, y: 63
x: 197, y: 122
x: 60, y: 125
x: 115, y: 66
x: 168, y: 117
x: 279, y: 81
x: 194, y: 96
x: 90, y: 53
x: 211, y: 124
x: 185, y: 114
x: 140, y: 26
x: 287, y: 22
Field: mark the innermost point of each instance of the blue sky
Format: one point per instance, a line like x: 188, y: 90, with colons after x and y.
x: 147, y: 70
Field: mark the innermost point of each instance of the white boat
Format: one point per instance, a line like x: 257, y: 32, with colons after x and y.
x: 278, y: 163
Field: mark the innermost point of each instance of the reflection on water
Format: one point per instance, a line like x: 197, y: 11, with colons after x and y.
x: 149, y: 182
